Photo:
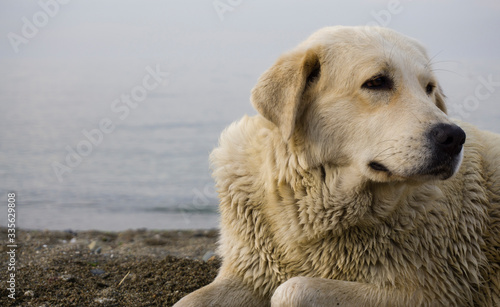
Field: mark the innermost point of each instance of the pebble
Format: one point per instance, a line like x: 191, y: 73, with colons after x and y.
x: 97, y: 272
x: 67, y: 277
x: 103, y: 300
x: 29, y: 293
x: 93, y: 245
x: 71, y: 232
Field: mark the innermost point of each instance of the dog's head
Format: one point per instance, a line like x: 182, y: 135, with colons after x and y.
x: 363, y: 97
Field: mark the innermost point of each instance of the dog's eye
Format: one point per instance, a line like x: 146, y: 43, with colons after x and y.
x: 429, y: 88
x: 379, y: 82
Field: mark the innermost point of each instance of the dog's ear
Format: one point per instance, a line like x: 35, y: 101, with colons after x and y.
x: 440, y: 100
x: 279, y: 91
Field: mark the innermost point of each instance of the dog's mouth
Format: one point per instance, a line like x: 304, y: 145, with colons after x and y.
x: 444, y: 168
x: 440, y: 157
x: 440, y: 168
x: 379, y: 167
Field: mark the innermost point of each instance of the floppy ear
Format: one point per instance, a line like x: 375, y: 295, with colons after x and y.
x: 440, y: 100
x: 279, y: 91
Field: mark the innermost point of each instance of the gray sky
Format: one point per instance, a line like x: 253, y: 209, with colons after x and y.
x: 100, y: 29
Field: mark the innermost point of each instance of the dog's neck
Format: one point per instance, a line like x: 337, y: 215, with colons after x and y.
x: 332, y: 198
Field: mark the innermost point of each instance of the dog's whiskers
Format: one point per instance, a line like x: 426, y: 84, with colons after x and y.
x: 384, y: 152
x: 447, y: 70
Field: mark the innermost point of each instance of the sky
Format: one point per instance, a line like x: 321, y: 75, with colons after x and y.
x: 217, y: 49
x: 103, y: 29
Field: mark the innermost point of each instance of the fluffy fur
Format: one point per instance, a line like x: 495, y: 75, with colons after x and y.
x: 335, y: 195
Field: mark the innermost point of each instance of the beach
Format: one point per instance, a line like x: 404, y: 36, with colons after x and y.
x: 97, y: 268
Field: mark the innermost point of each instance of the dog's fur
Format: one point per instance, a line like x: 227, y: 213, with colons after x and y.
x: 337, y: 194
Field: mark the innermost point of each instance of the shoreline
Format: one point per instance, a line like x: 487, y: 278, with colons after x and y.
x: 84, y: 219
x: 108, y: 268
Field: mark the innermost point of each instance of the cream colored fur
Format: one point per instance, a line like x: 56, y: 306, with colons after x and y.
x: 305, y: 220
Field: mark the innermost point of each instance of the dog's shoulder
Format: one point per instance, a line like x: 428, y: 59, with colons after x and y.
x: 479, y: 184
x: 241, y: 163
x: 482, y: 148
x: 243, y: 144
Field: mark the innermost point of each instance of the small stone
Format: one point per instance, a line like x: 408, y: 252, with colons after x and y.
x: 67, y: 277
x: 71, y: 232
x: 103, y: 300
x: 72, y: 241
x: 29, y: 293
x: 93, y: 245
x: 97, y: 272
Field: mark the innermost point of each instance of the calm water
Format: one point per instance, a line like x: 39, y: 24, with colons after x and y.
x: 152, y: 169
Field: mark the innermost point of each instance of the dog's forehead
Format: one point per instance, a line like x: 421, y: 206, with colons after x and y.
x: 366, y: 37
x: 370, y: 49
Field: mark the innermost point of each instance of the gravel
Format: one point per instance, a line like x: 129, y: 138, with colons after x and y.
x: 94, y: 268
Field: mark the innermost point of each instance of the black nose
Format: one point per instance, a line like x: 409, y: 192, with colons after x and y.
x: 448, y: 138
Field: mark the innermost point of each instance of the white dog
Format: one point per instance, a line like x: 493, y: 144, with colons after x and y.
x: 353, y: 187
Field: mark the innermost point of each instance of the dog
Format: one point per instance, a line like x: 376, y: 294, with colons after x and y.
x: 352, y: 186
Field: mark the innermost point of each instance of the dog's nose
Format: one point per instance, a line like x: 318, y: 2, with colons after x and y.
x: 448, y: 138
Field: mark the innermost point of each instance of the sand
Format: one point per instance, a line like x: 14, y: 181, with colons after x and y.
x: 95, y: 268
